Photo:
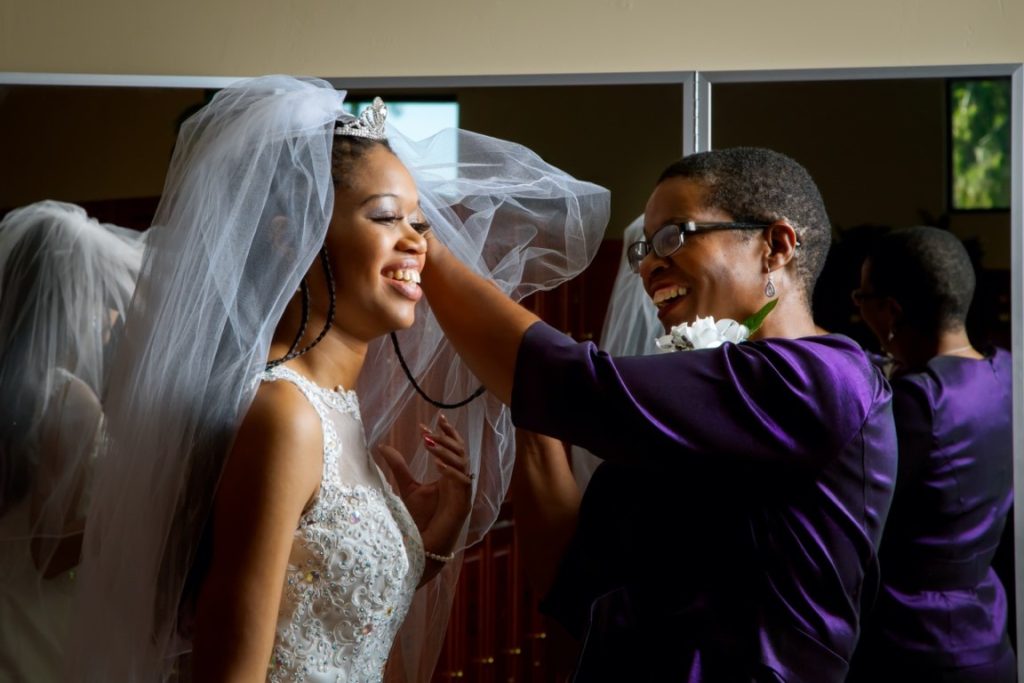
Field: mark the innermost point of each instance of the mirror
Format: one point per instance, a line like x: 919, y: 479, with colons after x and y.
x: 879, y: 150
x: 107, y: 149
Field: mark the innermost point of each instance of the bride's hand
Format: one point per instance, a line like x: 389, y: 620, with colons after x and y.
x: 440, y: 507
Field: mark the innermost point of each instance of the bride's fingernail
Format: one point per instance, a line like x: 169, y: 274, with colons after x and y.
x: 429, y: 441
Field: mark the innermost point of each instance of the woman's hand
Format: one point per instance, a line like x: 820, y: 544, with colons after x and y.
x: 482, y: 324
x: 440, y: 507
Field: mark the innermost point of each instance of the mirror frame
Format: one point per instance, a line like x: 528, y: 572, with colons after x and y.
x: 696, y: 93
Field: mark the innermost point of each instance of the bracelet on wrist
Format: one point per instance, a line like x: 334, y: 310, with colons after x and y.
x: 439, y: 558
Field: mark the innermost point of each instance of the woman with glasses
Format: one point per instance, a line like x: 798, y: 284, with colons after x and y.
x: 941, y: 614
x: 731, y: 532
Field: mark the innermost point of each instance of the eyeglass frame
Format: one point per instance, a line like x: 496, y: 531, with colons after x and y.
x: 684, y: 227
x: 859, y: 296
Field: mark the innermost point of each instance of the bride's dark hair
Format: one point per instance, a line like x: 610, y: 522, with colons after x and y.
x: 346, y: 151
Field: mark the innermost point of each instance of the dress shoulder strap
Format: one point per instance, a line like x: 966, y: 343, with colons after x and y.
x: 313, y: 394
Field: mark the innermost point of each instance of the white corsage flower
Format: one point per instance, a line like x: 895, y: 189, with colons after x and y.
x: 708, y: 333
x: 703, y: 333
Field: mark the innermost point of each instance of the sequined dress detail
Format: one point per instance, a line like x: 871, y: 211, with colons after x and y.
x: 355, y: 562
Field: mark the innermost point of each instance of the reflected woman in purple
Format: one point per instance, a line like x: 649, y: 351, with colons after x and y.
x: 734, y: 525
x: 941, y: 614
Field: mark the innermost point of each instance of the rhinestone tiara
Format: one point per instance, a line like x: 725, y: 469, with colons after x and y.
x: 370, y: 123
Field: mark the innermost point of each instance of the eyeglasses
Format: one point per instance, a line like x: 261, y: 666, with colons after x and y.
x: 667, y: 240
x: 859, y: 296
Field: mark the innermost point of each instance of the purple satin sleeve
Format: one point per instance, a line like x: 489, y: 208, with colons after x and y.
x: 794, y: 402
x: 736, y: 519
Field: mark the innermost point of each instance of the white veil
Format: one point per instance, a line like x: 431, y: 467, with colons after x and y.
x: 630, y: 327
x: 527, y: 226
x: 65, y: 283
x: 245, y: 209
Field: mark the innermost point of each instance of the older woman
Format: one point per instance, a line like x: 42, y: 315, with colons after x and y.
x: 941, y: 614
x: 729, y: 533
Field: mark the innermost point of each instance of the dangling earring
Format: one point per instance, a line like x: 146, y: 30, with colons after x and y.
x: 890, y: 337
x: 769, y: 288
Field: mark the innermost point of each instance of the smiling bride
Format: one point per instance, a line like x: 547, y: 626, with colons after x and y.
x: 240, y: 520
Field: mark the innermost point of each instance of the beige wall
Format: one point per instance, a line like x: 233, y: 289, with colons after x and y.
x: 414, y: 37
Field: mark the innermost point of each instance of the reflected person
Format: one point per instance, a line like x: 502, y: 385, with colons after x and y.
x: 942, y: 611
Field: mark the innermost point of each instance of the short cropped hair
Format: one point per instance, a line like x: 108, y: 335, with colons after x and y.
x: 929, y: 272
x: 762, y: 186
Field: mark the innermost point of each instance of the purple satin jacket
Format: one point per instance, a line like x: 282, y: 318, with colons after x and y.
x: 942, y: 607
x: 732, y: 532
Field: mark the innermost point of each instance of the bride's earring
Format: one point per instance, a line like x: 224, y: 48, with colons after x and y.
x: 769, y: 288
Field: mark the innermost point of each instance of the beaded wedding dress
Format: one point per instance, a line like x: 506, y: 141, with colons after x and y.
x: 355, y: 562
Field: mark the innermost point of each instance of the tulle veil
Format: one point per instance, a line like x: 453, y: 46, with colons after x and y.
x: 66, y: 281
x: 630, y: 327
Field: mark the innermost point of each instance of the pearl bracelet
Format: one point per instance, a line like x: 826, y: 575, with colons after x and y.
x: 439, y: 558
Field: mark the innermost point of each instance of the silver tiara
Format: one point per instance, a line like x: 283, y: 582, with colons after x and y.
x: 370, y: 123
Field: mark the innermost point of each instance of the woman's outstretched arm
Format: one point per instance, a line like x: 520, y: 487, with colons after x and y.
x: 483, y: 324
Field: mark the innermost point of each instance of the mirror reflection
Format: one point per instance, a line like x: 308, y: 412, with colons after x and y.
x: 887, y: 156
x: 107, y: 150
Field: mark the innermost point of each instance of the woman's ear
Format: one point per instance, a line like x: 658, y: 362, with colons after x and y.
x: 781, y: 243
x: 895, y: 311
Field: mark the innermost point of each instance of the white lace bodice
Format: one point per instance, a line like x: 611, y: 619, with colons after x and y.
x: 355, y: 562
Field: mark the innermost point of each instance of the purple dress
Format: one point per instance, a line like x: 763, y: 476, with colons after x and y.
x: 732, y: 532
x: 942, y: 611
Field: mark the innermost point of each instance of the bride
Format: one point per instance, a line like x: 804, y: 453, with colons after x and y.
x: 240, y: 529
x: 65, y: 283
